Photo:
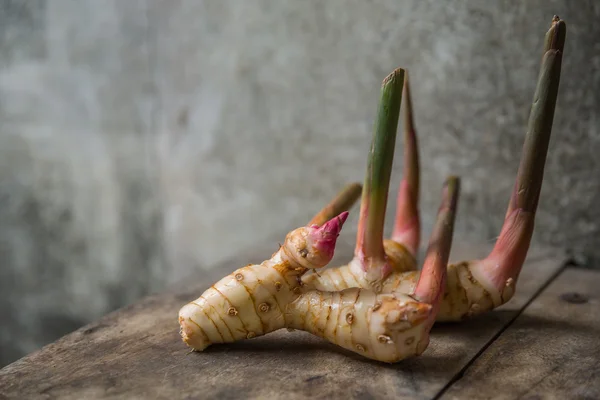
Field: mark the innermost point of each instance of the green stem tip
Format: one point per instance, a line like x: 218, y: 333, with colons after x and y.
x: 531, y: 169
x: 556, y: 35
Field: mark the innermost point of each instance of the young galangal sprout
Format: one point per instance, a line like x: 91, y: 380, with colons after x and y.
x: 380, y: 305
x: 474, y: 287
x: 258, y: 299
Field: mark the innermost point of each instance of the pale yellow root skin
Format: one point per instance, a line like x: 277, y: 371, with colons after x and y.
x: 248, y: 303
x: 466, y: 295
x: 252, y: 300
x: 353, y: 275
x: 467, y: 292
x: 258, y: 299
x: 382, y: 327
x: 383, y: 323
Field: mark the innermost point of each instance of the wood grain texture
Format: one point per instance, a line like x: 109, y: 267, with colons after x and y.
x: 551, y: 351
x: 136, y: 352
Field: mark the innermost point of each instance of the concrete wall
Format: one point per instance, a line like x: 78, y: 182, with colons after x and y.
x: 143, y: 140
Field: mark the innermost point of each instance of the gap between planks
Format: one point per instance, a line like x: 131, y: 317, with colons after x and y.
x: 550, y: 352
x: 461, y: 373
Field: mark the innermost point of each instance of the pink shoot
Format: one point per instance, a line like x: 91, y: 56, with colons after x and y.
x: 323, y: 238
x: 407, y: 227
x: 432, y: 281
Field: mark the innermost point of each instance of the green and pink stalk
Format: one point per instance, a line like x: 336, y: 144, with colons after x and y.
x: 343, y: 201
x: 504, y: 263
x: 369, y: 243
x: 431, y: 284
x: 432, y: 281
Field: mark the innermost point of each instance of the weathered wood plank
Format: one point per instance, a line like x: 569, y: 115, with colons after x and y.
x: 551, y: 351
x: 136, y: 352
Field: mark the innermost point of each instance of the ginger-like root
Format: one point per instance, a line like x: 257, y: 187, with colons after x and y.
x: 258, y: 299
x: 252, y: 300
x: 386, y: 327
x: 477, y: 286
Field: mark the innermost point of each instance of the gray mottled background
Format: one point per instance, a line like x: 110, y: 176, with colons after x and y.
x: 143, y: 140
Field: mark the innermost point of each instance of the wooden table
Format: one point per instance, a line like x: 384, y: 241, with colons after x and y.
x: 545, y: 343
